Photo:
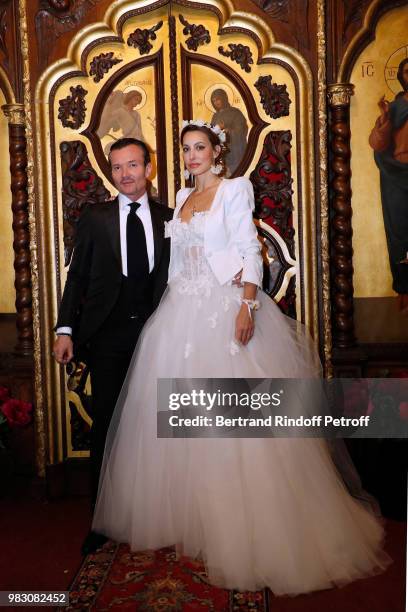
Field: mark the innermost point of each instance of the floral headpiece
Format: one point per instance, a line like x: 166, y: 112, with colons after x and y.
x: 201, y: 123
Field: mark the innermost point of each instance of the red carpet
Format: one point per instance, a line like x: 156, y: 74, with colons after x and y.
x: 116, y: 579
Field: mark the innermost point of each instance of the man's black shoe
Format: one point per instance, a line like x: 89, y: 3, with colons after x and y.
x: 92, y: 542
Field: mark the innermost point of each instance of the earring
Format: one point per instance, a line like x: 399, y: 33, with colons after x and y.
x: 186, y: 174
x: 217, y: 169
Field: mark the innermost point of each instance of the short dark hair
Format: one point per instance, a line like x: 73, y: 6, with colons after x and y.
x: 127, y: 142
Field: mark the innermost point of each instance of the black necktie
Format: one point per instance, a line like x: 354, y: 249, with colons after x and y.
x: 137, y: 257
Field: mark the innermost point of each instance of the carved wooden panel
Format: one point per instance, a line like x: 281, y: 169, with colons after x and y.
x: 81, y: 185
x: 293, y: 20
x: 197, y: 34
x: 72, y: 108
x: 274, y: 98
x: 101, y: 64
x: 53, y: 19
x: 272, y: 181
x: 140, y: 38
x: 241, y: 54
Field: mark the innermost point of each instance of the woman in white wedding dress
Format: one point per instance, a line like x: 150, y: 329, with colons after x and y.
x: 259, y: 512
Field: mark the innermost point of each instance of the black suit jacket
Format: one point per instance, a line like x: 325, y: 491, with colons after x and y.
x: 95, y: 274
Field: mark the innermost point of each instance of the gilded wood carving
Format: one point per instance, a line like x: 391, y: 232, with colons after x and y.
x: 101, y: 64
x: 274, y: 98
x: 140, y: 39
x: 272, y: 181
x: 241, y: 54
x: 72, y: 108
x: 197, y: 34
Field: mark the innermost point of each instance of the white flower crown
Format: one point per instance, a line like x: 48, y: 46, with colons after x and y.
x: 201, y: 123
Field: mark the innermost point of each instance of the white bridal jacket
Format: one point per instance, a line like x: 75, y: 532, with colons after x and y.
x: 230, y: 239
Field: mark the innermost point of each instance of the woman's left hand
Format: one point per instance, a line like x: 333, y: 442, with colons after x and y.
x: 244, y: 325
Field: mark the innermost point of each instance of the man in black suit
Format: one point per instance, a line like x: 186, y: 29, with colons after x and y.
x: 116, y: 278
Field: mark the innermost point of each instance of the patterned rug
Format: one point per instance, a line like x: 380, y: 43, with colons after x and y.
x: 114, y: 578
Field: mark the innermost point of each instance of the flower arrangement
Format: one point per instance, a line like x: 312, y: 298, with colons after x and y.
x: 13, y: 413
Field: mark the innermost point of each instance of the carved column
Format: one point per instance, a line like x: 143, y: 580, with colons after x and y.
x: 341, y: 230
x: 18, y: 167
x: 174, y: 103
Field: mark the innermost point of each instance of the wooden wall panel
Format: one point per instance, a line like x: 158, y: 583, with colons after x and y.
x: 53, y: 23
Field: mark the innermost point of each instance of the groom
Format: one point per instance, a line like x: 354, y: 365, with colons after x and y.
x: 116, y: 278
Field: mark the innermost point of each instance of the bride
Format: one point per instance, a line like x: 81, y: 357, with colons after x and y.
x: 259, y: 512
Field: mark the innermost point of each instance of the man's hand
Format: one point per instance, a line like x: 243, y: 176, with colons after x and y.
x: 244, y: 325
x: 63, y: 349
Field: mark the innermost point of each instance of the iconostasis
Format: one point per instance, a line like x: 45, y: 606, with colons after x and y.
x: 139, y: 73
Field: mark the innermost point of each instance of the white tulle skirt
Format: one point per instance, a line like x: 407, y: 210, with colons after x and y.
x: 259, y: 512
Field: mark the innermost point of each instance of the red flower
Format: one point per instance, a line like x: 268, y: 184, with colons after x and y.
x: 4, y: 394
x: 17, y: 412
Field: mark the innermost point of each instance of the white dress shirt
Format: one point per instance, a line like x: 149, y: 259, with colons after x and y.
x: 143, y: 212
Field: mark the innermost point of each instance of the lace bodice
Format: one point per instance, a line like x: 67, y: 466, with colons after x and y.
x: 194, y: 275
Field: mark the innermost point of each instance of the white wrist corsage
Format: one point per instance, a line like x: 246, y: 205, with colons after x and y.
x: 251, y: 304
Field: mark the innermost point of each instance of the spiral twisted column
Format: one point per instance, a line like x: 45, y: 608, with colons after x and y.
x: 339, y: 96
x: 21, y: 244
